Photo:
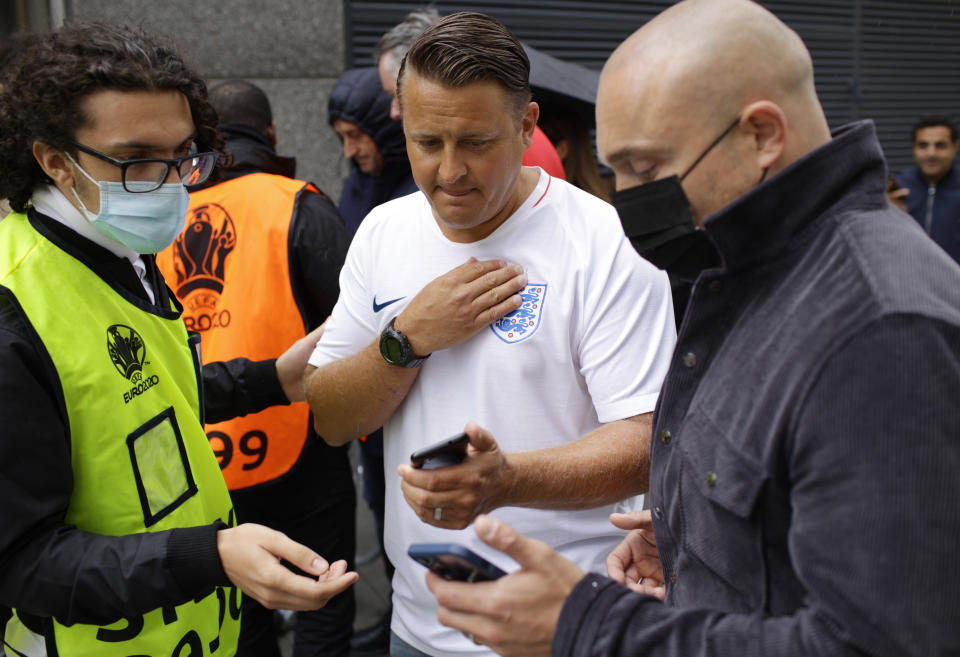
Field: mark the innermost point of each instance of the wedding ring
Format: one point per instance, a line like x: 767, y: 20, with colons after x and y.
x: 438, y: 514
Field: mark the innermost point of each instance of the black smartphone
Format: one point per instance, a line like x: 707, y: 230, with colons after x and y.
x: 438, y: 455
x: 452, y: 561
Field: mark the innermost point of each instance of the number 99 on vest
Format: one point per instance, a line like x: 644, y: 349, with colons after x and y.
x: 252, y: 446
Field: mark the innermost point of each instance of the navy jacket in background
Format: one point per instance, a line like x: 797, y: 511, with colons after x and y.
x: 936, y: 207
x: 805, y: 455
x: 359, y: 98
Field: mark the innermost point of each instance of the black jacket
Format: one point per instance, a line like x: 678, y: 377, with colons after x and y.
x: 805, y: 451
x: 48, y: 568
x: 357, y: 97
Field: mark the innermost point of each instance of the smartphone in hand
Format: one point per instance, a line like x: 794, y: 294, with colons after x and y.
x: 450, y: 451
x: 455, y: 562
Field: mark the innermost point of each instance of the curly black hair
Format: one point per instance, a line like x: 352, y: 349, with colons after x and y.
x: 44, y: 91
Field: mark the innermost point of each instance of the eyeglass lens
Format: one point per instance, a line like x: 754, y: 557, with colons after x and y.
x: 148, y: 176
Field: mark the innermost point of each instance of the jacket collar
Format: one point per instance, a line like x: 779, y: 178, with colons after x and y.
x: 847, y: 171
x: 252, y: 152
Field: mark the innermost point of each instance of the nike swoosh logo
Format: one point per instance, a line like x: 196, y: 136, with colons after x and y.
x: 377, y: 307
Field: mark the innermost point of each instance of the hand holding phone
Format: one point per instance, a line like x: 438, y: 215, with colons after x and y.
x: 450, y: 451
x: 451, y: 497
x: 454, y: 562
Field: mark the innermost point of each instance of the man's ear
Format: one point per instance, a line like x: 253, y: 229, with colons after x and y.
x: 53, y: 163
x: 767, y: 123
x: 528, y: 123
x: 271, y: 132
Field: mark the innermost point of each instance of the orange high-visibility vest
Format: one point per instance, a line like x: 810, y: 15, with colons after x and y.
x: 230, y: 270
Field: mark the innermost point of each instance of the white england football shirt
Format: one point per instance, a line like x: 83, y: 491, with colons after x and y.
x: 590, y: 345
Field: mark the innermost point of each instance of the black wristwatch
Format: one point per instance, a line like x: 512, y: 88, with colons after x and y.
x: 396, y: 349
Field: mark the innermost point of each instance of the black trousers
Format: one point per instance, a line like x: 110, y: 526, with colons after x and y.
x: 314, y: 505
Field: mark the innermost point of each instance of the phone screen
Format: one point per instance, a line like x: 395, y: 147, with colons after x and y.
x: 454, y: 562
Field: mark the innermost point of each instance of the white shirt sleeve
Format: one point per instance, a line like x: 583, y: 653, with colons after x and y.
x: 352, y: 324
x: 628, y: 331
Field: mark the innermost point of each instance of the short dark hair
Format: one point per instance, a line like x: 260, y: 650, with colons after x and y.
x: 933, y: 122
x: 240, y: 101
x: 59, y: 70
x: 469, y: 47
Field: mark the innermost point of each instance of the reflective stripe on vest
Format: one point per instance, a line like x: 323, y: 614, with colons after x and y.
x: 231, y: 271
x: 139, y: 456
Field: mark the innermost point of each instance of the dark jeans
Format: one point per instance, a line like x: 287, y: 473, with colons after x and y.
x: 400, y: 648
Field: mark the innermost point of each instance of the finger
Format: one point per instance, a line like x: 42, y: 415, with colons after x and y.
x: 528, y: 552
x: 336, y: 586
x: 481, y: 440
x: 472, y: 597
x: 277, y: 587
x: 299, y: 597
x: 299, y: 555
x: 616, y: 569
x: 483, y: 628
x: 425, y: 505
x: 501, y: 292
x: 503, y: 276
x: 632, y: 520
x: 441, y: 479
x: 474, y: 269
x: 463, y: 476
x: 337, y: 568
x: 648, y: 589
x: 502, y: 309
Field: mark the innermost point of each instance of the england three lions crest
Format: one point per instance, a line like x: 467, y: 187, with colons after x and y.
x: 525, y: 320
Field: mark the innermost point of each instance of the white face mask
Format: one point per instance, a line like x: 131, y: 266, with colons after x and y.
x: 146, y: 223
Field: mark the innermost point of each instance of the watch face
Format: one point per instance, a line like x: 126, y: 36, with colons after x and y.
x: 391, y: 349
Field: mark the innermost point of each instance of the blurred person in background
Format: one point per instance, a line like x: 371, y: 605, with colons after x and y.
x: 934, y: 183
x: 358, y: 110
x: 570, y: 135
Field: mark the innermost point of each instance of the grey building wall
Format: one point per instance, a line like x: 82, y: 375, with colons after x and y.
x: 295, y: 50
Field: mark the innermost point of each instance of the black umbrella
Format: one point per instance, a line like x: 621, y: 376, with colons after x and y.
x: 556, y: 81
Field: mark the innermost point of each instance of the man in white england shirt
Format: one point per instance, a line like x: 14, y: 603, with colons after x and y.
x: 510, y: 305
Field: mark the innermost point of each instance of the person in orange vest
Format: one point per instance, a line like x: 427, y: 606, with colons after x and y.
x: 256, y: 267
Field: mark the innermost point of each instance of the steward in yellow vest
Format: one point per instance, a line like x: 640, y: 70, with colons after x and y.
x: 129, y: 383
x: 117, y: 533
x: 256, y: 267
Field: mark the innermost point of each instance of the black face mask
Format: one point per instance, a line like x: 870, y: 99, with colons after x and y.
x: 658, y: 220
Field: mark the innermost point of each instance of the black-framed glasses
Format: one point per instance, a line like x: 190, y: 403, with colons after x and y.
x: 148, y: 174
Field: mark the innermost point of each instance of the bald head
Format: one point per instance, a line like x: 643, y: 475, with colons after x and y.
x: 672, y: 87
x: 730, y: 51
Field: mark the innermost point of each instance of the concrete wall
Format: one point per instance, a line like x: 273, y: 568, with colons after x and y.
x: 294, y: 54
